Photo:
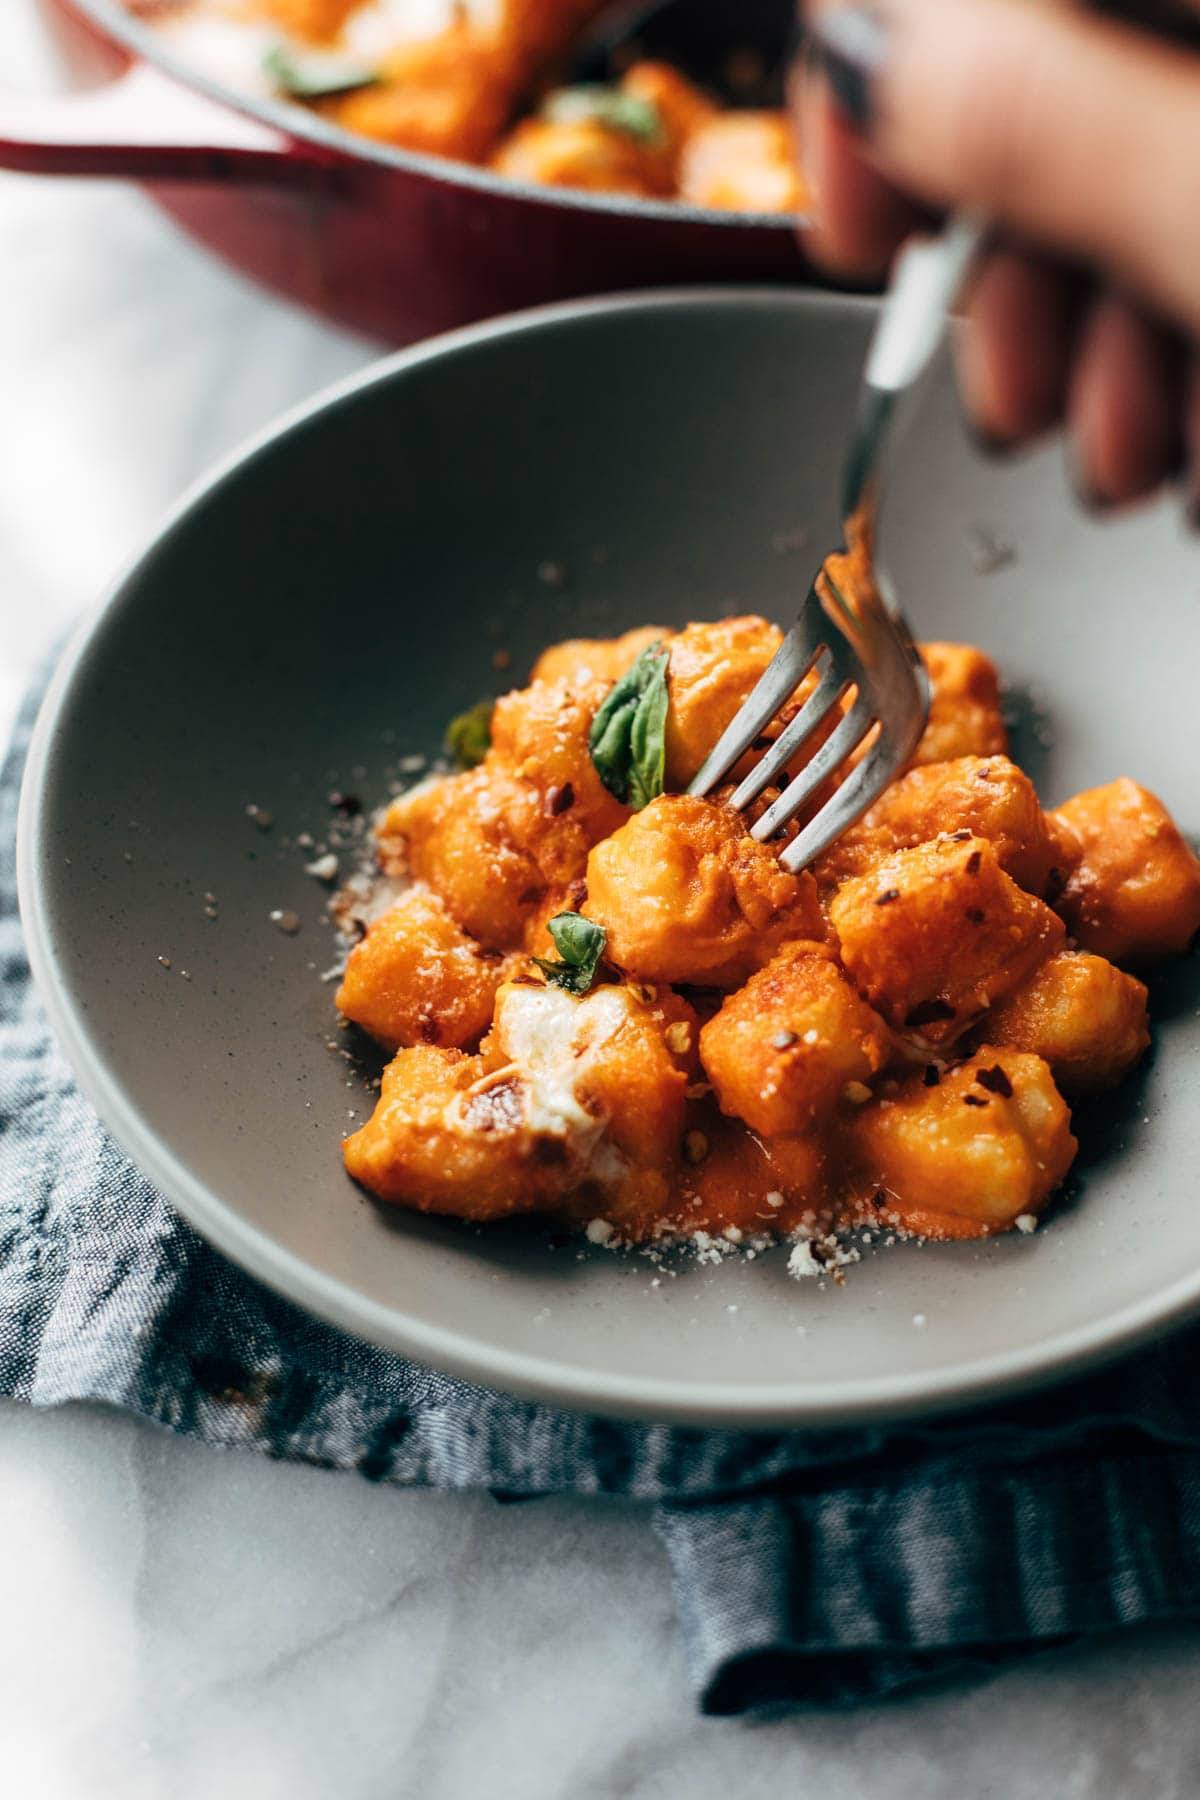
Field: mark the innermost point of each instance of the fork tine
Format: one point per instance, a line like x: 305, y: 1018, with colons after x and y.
x: 831, y: 684
x: 833, y: 752
x: 776, y: 685
x: 835, y: 604
x: 861, y: 788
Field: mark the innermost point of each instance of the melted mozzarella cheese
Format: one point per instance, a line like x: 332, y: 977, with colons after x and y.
x: 553, y: 1039
x: 539, y: 1028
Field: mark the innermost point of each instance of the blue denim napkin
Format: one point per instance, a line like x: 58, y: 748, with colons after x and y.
x: 828, y: 1567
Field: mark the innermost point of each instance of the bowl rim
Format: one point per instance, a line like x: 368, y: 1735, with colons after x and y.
x: 304, y: 126
x: 794, y: 1403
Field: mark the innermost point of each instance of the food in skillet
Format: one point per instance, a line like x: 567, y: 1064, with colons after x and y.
x: 477, y: 83
x: 610, y: 1005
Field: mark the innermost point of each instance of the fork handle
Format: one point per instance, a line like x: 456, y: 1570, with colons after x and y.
x: 928, y: 275
x: 925, y: 283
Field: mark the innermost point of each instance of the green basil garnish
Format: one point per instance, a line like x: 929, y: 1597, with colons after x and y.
x: 607, y: 106
x: 316, y: 74
x: 580, y: 945
x: 628, y: 738
x: 469, y: 737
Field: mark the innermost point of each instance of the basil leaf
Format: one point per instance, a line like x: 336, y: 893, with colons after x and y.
x: 580, y: 943
x: 628, y: 736
x: 316, y: 74
x: 607, y: 106
x: 469, y: 737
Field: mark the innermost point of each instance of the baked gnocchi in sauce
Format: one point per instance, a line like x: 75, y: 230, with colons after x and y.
x: 477, y: 80
x: 610, y: 1005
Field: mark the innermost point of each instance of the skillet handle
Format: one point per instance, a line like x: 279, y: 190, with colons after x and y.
x: 149, y: 127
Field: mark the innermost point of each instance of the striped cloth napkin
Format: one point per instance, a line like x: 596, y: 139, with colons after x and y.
x: 819, y: 1567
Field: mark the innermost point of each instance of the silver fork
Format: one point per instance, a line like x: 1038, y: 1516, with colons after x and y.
x: 859, y: 649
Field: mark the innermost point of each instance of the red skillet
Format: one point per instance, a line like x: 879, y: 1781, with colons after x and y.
x: 390, y: 243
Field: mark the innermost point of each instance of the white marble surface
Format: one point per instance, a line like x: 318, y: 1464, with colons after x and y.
x: 181, y: 1623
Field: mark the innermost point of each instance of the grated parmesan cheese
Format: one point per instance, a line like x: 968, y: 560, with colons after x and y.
x: 802, y: 1262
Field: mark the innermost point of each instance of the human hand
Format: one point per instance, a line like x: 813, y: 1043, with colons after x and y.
x: 1080, y: 139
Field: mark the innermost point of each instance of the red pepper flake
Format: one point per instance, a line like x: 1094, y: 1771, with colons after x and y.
x: 887, y: 896
x: 929, y: 1012
x: 558, y: 800
x: 974, y: 1100
x: 349, y: 805
x: 931, y: 1076
x: 879, y: 1197
x: 974, y: 862
x: 995, y: 1081
x: 976, y: 915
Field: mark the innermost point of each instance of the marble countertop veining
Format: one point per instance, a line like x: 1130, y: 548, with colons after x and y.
x: 181, y: 1623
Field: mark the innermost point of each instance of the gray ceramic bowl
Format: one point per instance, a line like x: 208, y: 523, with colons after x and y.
x: 336, y: 593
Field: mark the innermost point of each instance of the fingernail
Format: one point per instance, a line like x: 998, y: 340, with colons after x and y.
x: 851, y: 43
x: 1177, y: 457
x: 991, y: 444
x: 1090, y: 498
x: 1087, y: 496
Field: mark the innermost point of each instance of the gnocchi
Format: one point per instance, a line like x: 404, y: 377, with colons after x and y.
x: 1133, y: 893
x: 1080, y: 1014
x: 684, y: 895
x: 936, y: 934
x: 606, y: 1002
x: 783, y: 1049
x: 968, y: 1155
x: 965, y: 714
x: 454, y: 80
x: 417, y: 978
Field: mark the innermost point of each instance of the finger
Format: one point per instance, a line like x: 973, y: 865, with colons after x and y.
x: 858, y: 219
x: 1076, y: 131
x: 1192, y: 441
x: 1125, y: 404
x: 1015, y: 353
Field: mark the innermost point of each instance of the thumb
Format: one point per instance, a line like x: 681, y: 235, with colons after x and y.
x: 1080, y: 133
